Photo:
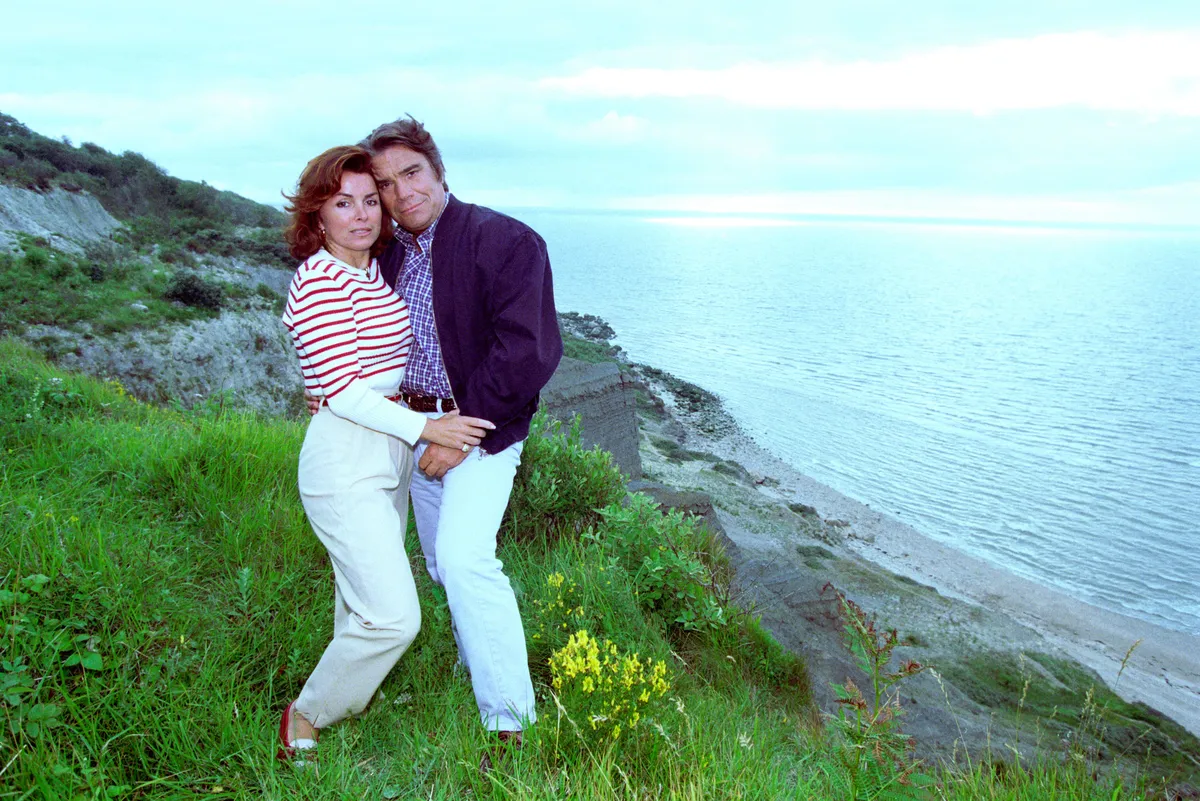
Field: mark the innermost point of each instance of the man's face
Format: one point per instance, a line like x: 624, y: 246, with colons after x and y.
x: 411, y: 191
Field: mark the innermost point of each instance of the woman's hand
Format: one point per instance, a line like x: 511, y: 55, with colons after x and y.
x: 456, y: 431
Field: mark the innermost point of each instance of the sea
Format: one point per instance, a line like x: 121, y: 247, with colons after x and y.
x: 1028, y: 395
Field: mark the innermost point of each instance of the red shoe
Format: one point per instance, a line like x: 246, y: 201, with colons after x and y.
x: 301, y: 752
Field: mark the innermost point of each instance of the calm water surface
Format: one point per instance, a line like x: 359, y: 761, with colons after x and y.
x: 1029, y: 396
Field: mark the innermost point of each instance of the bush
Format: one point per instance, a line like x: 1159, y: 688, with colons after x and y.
x: 36, y: 258
x: 190, y: 289
x: 102, y: 252
x: 607, y: 689
x: 561, y: 485
x: 665, y: 555
x: 174, y: 254
x: 38, y: 174
x: 266, y: 293
x: 209, y: 240
x: 266, y: 245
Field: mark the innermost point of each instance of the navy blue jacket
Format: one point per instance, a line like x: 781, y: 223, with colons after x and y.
x: 493, y: 300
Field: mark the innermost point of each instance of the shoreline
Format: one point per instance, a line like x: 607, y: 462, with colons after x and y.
x: 1139, y: 660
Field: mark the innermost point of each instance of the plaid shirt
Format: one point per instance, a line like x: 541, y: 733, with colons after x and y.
x: 425, y: 373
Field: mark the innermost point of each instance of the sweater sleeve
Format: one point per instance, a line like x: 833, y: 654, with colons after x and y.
x: 360, y: 404
x: 320, y: 317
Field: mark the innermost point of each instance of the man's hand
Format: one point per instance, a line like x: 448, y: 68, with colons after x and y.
x: 312, y: 402
x: 437, y: 460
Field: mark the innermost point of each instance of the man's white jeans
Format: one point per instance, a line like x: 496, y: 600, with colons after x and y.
x: 352, y: 483
x: 458, y: 518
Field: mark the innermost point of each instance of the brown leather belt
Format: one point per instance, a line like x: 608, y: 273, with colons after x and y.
x: 424, y: 403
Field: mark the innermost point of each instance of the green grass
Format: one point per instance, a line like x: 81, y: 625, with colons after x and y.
x: 586, y: 350
x: 164, y: 598
x: 50, y: 288
x: 814, y: 556
x: 1065, y: 700
x: 678, y: 454
x: 732, y: 469
x: 110, y: 290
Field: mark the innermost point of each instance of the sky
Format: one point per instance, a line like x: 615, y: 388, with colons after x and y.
x: 1059, y: 110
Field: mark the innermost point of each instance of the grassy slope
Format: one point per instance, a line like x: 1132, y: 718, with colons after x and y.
x: 184, y: 600
x: 96, y: 293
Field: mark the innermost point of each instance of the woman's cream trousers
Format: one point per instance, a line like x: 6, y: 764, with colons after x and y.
x: 354, y: 485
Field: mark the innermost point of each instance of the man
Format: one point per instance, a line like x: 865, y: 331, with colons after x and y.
x: 481, y: 302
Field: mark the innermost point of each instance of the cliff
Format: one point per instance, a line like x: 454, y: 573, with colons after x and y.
x: 602, y: 395
x: 67, y: 220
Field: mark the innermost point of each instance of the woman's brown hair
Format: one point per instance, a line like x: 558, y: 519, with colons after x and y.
x: 321, y: 180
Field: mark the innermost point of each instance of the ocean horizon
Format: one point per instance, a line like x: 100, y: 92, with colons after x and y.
x: 1028, y: 394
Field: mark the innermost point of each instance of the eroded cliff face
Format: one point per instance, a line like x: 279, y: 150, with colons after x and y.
x: 602, y: 395
x: 244, y: 358
x: 67, y: 220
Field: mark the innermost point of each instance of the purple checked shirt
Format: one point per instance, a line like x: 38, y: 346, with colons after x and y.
x: 425, y: 373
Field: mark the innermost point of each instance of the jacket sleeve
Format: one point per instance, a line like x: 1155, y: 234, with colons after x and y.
x: 527, y: 346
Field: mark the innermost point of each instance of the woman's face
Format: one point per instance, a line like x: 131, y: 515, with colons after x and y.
x: 351, y: 219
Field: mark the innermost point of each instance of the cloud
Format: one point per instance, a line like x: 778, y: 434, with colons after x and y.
x: 614, y: 127
x: 1148, y: 72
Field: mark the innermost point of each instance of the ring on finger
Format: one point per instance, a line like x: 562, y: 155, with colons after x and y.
x: 466, y: 448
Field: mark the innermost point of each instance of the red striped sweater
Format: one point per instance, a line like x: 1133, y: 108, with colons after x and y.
x: 352, y: 335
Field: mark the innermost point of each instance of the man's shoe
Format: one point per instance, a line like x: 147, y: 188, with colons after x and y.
x: 495, y: 754
x: 301, y: 752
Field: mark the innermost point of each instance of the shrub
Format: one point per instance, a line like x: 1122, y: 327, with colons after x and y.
x: 266, y: 293
x: 209, y: 240
x: 192, y: 290
x: 102, y: 252
x: 664, y: 554
x: 38, y: 174
x: 586, y: 351
x: 609, y: 690
x: 103, y: 261
x: 36, y: 258
x: 872, y: 750
x: 676, y: 453
x: 174, y: 254
x: 733, y: 470
x: 62, y: 269
x: 561, y: 604
x: 561, y: 485
x: 267, y: 245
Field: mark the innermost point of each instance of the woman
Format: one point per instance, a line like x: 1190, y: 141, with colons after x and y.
x: 353, y: 337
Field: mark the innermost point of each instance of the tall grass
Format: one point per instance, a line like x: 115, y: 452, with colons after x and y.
x: 163, y: 598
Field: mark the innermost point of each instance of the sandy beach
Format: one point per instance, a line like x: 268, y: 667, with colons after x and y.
x: 1139, y: 660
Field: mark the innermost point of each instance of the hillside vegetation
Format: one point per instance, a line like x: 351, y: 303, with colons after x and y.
x: 182, y: 217
x: 163, y: 599
x: 181, y: 303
